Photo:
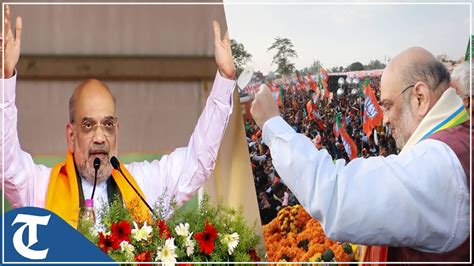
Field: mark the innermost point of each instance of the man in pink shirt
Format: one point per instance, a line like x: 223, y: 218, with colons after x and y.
x: 92, y: 132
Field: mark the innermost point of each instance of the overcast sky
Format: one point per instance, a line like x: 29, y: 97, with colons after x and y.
x: 342, y: 34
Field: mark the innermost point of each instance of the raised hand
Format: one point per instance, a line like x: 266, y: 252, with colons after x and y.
x: 264, y: 106
x: 223, y: 53
x: 11, y: 44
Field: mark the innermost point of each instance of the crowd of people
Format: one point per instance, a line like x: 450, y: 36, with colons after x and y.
x: 272, y: 193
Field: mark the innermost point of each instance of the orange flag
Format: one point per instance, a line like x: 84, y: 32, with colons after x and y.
x: 312, y: 83
x: 372, y: 111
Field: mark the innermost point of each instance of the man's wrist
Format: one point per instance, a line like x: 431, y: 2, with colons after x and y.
x: 274, y: 127
x: 222, y: 88
x: 231, y: 77
x: 8, y: 74
x: 9, y: 88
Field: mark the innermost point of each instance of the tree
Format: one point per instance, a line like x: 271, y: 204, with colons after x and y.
x: 240, y: 55
x: 374, y: 64
x: 258, y: 76
x: 314, y: 68
x: 356, y: 66
x: 284, y: 52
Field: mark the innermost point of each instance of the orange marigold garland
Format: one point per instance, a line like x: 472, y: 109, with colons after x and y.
x: 295, y: 236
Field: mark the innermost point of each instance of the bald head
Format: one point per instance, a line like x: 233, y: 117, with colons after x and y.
x: 418, y: 70
x: 417, y: 64
x: 88, y: 93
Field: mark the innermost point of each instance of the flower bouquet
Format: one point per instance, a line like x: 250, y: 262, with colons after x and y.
x: 211, y: 233
x: 294, y: 236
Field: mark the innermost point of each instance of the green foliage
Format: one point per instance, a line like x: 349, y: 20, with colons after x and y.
x: 284, y: 53
x: 224, y: 219
x: 240, y: 55
x: 356, y: 66
x: 87, y: 230
x: 115, y: 213
x: 313, y: 69
x: 374, y: 64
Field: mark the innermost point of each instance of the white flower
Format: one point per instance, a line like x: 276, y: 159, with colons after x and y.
x: 98, y: 228
x: 94, y: 232
x: 231, y: 241
x: 143, y: 233
x: 182, y: 229
x: 189, y: 244
x: 167, y: 253
x: 128, y: 249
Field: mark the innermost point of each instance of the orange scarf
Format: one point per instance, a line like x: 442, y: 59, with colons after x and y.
x: 63, y: 196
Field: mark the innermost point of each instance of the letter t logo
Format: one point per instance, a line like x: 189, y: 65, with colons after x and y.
x: 30, y: 221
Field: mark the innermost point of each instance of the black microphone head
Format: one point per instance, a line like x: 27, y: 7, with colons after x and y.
x: 96, y: 163
x: 115, y: 163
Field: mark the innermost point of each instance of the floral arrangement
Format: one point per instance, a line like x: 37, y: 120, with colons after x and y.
x: 212, y: 233
x: 294, y: 236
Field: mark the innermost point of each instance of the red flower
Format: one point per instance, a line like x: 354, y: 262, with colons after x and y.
x: 107, y: 242
x: 145, y: 256
x: 206, y: 239
x: 121, y: 230
x: 164, y: 230
x: 253, y: 255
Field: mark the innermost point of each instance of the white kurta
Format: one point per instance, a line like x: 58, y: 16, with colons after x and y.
x: 179, y: 174
x: 419, y: 199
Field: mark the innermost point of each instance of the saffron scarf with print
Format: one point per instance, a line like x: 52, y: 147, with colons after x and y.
x: 448, y: 112
x: 63, y: 196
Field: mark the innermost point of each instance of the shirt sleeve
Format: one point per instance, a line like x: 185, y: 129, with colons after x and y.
x: 419, y: 199
x: 25, y: 183
x: 181, y: 173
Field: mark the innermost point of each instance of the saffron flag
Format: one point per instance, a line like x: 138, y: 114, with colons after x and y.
x: 275, y: 92
x: 280, y: 96
x: 312, y: 83
x: 372, y: 111
x: 313, y: 113
x: 300, y: 79
x: 349, y: 145
x: 323, y: 81
x: 295, y: 103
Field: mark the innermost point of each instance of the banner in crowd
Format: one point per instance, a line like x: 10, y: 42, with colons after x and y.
x: 349, y: 145
x: 372, y: 111
x: 313, y: 113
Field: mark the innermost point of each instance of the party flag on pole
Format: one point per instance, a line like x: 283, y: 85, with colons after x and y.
x: 372, y: 110
x: 349, y: 145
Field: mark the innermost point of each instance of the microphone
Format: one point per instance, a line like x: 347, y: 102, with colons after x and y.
x: 96, y: 169
x: 116, y: 165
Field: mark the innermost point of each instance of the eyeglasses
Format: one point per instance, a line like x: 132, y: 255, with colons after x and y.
x: 108, y: 126
x: 387, y: 104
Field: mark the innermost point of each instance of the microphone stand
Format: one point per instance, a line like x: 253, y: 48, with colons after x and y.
x: 116, y: 165
x: 96, y: 169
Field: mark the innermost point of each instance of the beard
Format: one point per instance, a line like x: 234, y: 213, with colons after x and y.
x: 87, y: 171
x: 85, y: 167
x: 406, y: 126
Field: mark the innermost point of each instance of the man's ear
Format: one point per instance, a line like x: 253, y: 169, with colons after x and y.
x: 424, y: 97
x: 70, y: 137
